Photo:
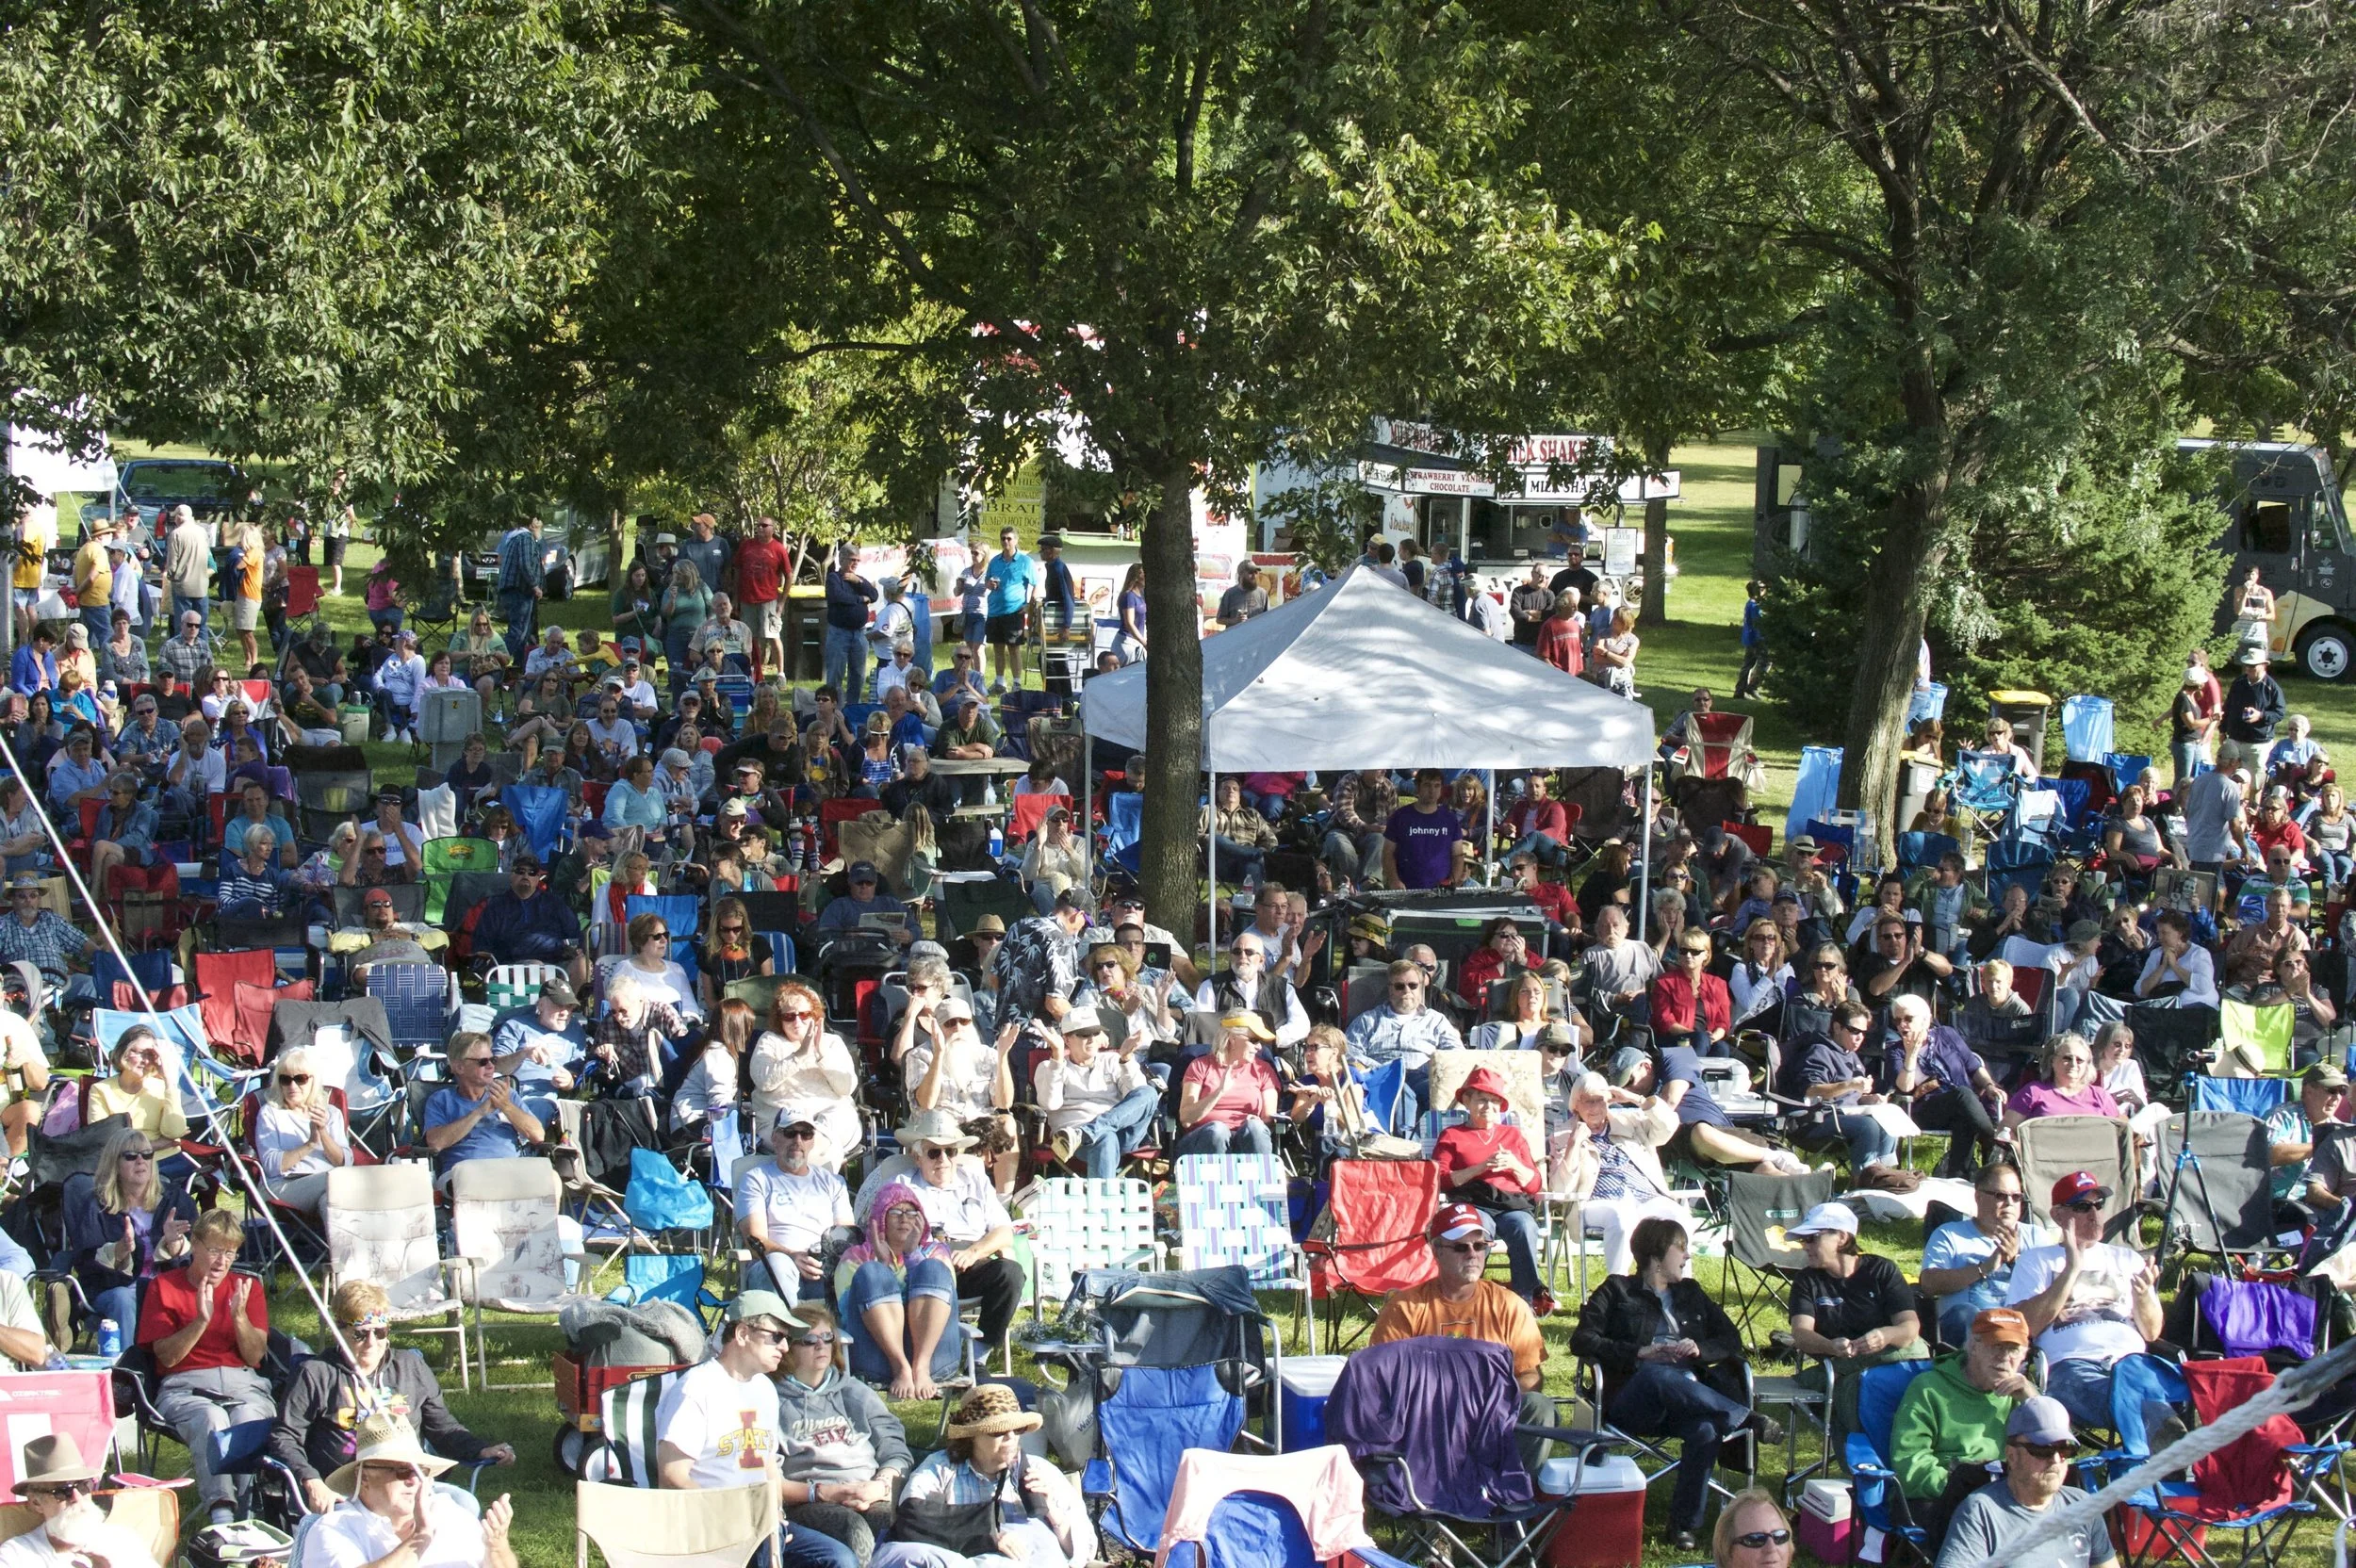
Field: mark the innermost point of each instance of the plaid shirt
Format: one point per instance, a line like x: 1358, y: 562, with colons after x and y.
x: 634, y: 1049
x: 49, y: 944
x: 183, y: 659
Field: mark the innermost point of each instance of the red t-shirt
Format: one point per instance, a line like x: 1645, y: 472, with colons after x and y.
x: 1559, y: 644
x: 1460, y: 1147
x: 1246, y: 1095
x: 171, y: 1307
x: 758, y: 566
x: 2285, y: 833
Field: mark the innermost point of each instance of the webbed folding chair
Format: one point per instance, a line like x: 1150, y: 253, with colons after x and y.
x: 1088, y: 1222
x: 1446, y: 1495
x: 511, y: 986
x: 1237, y: 1209
x: 1373, y: 1237
x: 419, y: 1004
x: 1879, y: 1502
x: 2051, y: 1147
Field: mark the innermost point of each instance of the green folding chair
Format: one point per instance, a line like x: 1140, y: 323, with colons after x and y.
x: 2255, y: 1040
x: 441, y: 862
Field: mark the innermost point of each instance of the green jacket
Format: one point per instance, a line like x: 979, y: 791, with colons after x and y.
x: 1944, y: 1421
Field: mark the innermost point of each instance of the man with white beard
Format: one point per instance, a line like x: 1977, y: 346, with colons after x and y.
x: 71, y: 1530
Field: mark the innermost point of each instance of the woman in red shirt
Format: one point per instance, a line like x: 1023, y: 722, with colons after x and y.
x: 1227, y: 1100
x: 1502, y: 952
x: 1487, y: 1164
x: 208, y: 1327
x: 1690, y: 1005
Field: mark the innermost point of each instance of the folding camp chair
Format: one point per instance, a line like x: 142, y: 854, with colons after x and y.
x: 680, y: 914
x: 512, y: 986
x: 442, y: 860
x: 1124, y: 827
x: 2256, y: 1039
x: 503, y: 1225
x: 963, y: 899
x: 2256, y: 1488
x: 2012, y: 860
x: 709, y: 1527
x: 1917, y: 850
x: 1080, y: 1224
x: 540, y: 812
x: 2051, y: 1147
x: 379, y: 1228
x: 1388, y: 1402
x: 1028, y: 812
x: 408, y: 903
x: 1373, y: 1236
x: 467, y: 891
x: 327, y: 798
x: 2258, y: 1097
x: 1880, y: 1505
x: 1984, y: 786
x: 1758, y: 1259
x: 1237, y: 1209
x: 2216, y: 1185
x: 1253, y: 1525
x: 1152, y: 1416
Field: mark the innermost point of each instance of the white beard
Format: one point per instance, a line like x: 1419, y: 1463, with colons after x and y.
x: 76, y: 1524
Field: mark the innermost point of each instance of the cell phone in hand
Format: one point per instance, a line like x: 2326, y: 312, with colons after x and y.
x: 1158, y: 955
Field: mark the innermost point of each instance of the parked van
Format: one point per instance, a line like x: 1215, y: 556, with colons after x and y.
x: 2284, y: 515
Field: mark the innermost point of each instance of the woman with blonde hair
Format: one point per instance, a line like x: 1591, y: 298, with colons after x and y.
x: 1615, y: 654
x: 125, y: 1225
x: 660, y: 978
x: 924, y: 850
x: 140, y: 1089
x: 803, y: 1071
x: 1526, y: 1014
x: 300, y: 1136
x: 726, y: 954
x: 633, y: 876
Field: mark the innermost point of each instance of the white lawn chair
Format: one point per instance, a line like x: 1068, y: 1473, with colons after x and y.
x: 1088, y: 1222
x: 379, y: 1228
x: 1236, y: 1209
x: 503, y: 1225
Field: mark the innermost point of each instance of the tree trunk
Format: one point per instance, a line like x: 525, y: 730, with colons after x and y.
x: 1889, y: 640
x: 1173, y: 707
x: 1654, y: 611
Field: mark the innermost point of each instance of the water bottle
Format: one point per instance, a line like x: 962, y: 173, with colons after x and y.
x: 997, y: 842
x: 109, y: 1338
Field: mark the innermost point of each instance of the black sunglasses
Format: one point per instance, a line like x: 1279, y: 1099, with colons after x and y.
x: 1755, y: 1539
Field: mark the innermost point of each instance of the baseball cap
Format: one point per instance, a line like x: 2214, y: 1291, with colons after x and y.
x: 1624, y: 1063
x: 2040, y: 1418
x: 377, y: 895
x: 1457, y: 1221
x: 526, y: 861
x: 1559, y: 1037
x: 2079, y: 1185
x: 2326, y: 1075
x: 2001, y: 1324
x: 761, y: 1303
x: 1824, y: 1217
x: 862, y: 870
x: 2084, y: 931
x: 733, y: 809
x: 559, y: 990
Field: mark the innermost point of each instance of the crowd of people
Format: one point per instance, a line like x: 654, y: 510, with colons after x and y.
x: 1666, y: 1000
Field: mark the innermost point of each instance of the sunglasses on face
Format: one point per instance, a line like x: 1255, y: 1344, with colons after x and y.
x: 2083, y: 1205
x: 290, y: 1079
x: 2046, y: 1450
x: 796, y: 1134
x: 139, y: 1153
x: 474, y: 1061
x: 737, y: 926
x: 802, y: 1017
x: 930, y: 1153
x: 1465, y: 1249
x: 367, y: 1334
x: 1756, y: 1539
x: 2001, y: 1196
x: 62, y: 1490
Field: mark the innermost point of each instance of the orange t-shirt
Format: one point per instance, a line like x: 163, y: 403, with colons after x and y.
x: 1492, y: 1312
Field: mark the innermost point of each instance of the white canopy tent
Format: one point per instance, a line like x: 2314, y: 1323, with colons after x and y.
x: 1363, y: 673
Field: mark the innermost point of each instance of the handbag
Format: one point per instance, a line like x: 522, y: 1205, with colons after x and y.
x: 1487, y: 1195
x: 661, y: 1199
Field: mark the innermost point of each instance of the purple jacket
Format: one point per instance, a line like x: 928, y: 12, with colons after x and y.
x: 1444, y: 1409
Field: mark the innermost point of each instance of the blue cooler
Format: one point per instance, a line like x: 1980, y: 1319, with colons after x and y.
x: 1305, y: 1385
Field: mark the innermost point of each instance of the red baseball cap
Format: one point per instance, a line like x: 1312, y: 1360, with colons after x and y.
x: 2078, y: 1185
x: 1456, y: 1221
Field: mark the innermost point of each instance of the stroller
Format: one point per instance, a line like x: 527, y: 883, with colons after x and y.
x: 1155, y: 1365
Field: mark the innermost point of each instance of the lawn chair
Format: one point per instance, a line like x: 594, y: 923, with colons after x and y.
x: 681, y: 916
x: 963, y: 901
x: 1918, y: 851
x: 1372, y: 1239
x: 2258, y: 1097
x: 1984, y: 786
x: 441, y: 859
x: 1082, y: 1223
x: 419, y: 1004
x: 1389, y: 1402
x: 503, y: 1225
x: 512, y: 986
x: 709, y: 1527
x: 325, y: 799
x: 2051, y: 1147
x: 408, y: 903
x: 1237, y: 1209
x: 1124, y: 829
x: 2258, y: 1037
x: 1759, y: 1261
x: 1716, y: 748
x: 1880, y: 1505
x: 2219, y: 1196
x: 1028, y: 812
x: 1145, y: 1425
x: 379, y: 1228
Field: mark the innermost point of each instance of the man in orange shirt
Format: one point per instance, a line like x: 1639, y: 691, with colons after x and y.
x: 1459, y: 1303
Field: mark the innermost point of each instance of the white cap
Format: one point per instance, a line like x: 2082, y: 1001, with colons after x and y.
x: 1823, y: 1217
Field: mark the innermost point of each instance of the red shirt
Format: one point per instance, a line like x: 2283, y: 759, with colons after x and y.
x: 2285, y: 833
x: 171, y: 1307
x: 1555, y: 899
x: 1673, y: 1004
x: 760, y: 564
x: 1559, y: 644
x: 1245, y: 1098
x: 1539, y: 816
x: 1460, y: 1147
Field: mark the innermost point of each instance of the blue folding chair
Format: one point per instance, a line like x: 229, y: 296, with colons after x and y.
x: 1918, y: 850
x: 540, y: 811
x: 2015, y: 860
x: 2087, y: 727
x: 1151, y: 1419
x: 1124, y: 829
x: 780, y: 951
x: 2126, y: 767
x: 679, y: 912
x: 1985, y: 786
x: 2258, y: 1097
x: 1879, y: 1390
x: 1261, y: 1528
x: 151, y: 971
x: 1815, y: 791
x: 416, y: 1003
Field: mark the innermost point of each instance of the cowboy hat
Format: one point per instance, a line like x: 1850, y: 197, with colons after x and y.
x: 990, y: 1408
x: 52, y: 1460
x: 384, y: 1440
x: 933, y: 1126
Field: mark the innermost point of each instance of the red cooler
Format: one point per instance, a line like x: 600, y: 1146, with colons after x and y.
x: 1604, y: 1528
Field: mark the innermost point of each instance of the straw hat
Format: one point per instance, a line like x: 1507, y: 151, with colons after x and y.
x: 384, y: 1440
x: 934, y: 1126
x: 990, y: 1408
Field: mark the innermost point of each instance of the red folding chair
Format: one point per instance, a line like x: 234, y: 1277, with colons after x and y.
x: 1029, y: 811
x: 217, y: 814
x: 303, y: 591
x: 593, y: 792
x: 77, y: 847
x: 832, y: 814
x: 1381, y: 1210
x: 144, y: 902
x: 1758, y: 841
x: 218, y: 977
x: 1722, y: 738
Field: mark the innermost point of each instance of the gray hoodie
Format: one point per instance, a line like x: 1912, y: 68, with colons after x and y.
x: 840, y: 1430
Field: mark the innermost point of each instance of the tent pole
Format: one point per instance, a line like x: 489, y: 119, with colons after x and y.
x: 1489, y: 838
x: 1210, y: 871
x: 1643, y: 864
x: 1087, y: 805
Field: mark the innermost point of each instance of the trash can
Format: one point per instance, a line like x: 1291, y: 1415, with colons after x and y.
x: 2025, y: 712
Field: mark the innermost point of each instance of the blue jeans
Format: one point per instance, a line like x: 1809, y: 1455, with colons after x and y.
x: 1270, y: 807
x: 2335, y: 866
x: 1104, y: 1140
x: 1519, y: 1232
x: 1544, y: 846
x: 182, y: 604
x: 1212, y: 1138
x: 121, y: 1304
x: 875, y: 1283
x: 2083, y: 1385
x: 1240, y: 862
x: 1869, y: 1142
x: 1352, y: 858
x: 1659, y: 1400
x: 847, y: 662
x: 100, y: 620
x: 519, y: 611
x: 805, y: 1547
x: 2187, y: 757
